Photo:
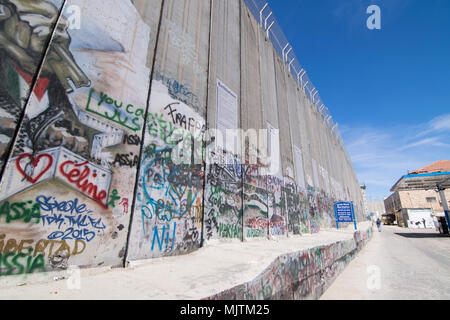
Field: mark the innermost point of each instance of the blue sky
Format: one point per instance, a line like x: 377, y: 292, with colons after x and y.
x: 388, y: 89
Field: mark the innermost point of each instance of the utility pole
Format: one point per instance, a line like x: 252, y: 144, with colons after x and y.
x: 441, y: 190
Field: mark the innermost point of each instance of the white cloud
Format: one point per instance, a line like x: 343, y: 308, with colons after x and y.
x: 441, y: 123
x: 425, y: 142
x: 438, y: 125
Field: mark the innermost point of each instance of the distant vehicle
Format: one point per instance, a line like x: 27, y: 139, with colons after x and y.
x: 388, y: 219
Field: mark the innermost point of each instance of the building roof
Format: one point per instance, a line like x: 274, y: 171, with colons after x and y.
x: 428, y: 177
x: 438, y: 166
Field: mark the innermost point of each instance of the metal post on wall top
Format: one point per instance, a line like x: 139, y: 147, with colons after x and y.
x: 260, y: 13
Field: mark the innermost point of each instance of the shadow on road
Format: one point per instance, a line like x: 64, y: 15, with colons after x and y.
x: 422, y: 235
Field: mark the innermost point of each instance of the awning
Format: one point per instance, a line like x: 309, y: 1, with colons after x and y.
x: 426, y: 181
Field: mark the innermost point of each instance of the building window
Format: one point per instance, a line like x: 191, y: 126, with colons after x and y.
x: 431, y: 200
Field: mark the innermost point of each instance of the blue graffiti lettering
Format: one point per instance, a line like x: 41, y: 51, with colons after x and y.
x: 72, y: 219
x: 71, y: 206
x: 164, y: 237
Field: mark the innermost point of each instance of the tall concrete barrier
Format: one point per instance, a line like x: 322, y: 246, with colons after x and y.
x: 168, y: 211
x: 223, y: 198
x: 67, y: 189
x: 24, y: 42
x: 114, y: 134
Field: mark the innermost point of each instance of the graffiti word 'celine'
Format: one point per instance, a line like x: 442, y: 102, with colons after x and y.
x: 70, y: 171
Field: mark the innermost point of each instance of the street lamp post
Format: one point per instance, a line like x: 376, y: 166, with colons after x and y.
x: 445, y: 205
x: 441, y: 190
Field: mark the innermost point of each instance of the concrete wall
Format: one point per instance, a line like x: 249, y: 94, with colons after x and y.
x: 223, y: 217
x: 167, y: 219
x: 22, y: 51
x: 94, y: 175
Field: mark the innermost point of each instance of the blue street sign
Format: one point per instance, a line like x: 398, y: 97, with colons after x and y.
x: 344, y: 212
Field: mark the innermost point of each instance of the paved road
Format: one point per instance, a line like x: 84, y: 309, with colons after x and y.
x: 398, y: 263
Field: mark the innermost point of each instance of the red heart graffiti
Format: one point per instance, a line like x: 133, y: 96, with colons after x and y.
x: 34, y: 162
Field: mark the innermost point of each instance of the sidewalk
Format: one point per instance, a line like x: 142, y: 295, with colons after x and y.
x: 202, y: 274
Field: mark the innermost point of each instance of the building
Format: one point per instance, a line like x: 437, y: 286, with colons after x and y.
x: 364, y: 197
x: 377, y: 210
x: 419, y: 204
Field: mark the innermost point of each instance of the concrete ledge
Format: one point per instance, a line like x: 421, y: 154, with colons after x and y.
x: 302, y: 275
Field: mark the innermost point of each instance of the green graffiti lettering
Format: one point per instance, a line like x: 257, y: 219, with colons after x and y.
x: 20, y: 211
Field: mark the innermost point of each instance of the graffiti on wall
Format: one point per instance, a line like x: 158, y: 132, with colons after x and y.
x: 169, y: 199
x: 277, y: 213
x: 255, y: 199
x: 314, y: 212
x: 296, y: 206
x: 223, y: 199
x: 30, y: 255
x: 301, y: 275
x: 22, y: 46
x: 77, y: 147
x: 67, y: 194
